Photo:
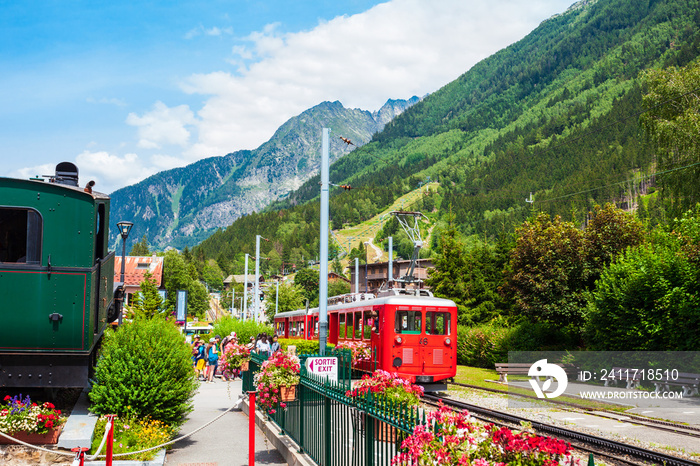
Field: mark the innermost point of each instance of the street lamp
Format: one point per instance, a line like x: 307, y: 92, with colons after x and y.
x: 124, y: 229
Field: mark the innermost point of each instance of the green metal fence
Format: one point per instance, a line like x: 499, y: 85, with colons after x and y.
x: 336, y: 430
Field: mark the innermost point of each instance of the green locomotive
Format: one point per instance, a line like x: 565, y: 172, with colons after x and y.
x: 57, y: 292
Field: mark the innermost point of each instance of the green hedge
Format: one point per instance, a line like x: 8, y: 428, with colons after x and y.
x: 485, y: 345
x: 244, y: 328
x: 303, y: 346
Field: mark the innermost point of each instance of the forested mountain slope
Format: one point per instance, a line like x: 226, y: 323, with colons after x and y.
x: 183, y: 206
x: 555, y: 114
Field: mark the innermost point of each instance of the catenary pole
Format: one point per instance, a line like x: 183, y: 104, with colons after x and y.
x: 256, y: 295
x: 391, y: 261
x: 323, y: 275
x: 245, y: 291
x: 357, y: 275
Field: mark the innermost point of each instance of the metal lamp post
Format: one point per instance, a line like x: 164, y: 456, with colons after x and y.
x: 124, y: 229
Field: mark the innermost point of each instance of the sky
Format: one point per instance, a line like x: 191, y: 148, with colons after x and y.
x: 125, y: 89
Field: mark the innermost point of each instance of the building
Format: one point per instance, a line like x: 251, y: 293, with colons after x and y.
x: 135, y: 268
x: 378, y: 274
x: 231, y: 279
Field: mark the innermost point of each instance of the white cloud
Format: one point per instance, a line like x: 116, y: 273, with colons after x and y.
x: 111, y: 171
x: 394, y: 50
x: 163, y: 125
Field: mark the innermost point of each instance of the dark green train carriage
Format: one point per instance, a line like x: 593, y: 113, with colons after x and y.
x: 56, y: 279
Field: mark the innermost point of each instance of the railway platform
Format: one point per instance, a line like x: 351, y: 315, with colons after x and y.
x: 225, y: 441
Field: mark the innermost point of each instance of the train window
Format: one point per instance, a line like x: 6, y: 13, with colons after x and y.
x: 350, y: 327
x: 437, y: 323
x: 358, y: 325
x: 100, y: 232
x: 408, y: 322
x: 369, y: 324
x: 341, y: 325
x: 20, y: 236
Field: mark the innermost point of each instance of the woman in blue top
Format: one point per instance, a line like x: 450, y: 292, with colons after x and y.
x: 212, y: 359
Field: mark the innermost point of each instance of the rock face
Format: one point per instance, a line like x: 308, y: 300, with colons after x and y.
x: 182, y: 206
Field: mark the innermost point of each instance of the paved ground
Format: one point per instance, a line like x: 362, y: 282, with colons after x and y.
x: 224, y: 442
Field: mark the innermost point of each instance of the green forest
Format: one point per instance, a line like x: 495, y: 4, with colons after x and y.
x: 567, y: 166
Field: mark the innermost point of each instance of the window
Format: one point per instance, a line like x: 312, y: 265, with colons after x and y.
x: 341, y: 325
x: 408, y: 322
x: 349, y: 323
x: 20, y: 235
x: 437, y: 323
x: 358, y: 325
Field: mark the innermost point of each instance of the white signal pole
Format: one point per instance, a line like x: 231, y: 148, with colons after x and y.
x: 256, y: 294
x: 245, y: 291
x: 323, y: 275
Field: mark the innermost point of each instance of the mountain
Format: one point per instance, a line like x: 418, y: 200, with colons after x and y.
x: 555, y: 114
x: 183, y: 206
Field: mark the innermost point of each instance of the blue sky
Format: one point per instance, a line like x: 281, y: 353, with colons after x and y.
x: 127, y: 89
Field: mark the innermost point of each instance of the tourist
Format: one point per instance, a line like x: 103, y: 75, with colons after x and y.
x: 212, y: 360
x: 275, y: 346
x: 263, y: 346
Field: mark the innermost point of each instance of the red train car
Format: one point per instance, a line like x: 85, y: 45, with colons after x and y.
x: 409, y: 332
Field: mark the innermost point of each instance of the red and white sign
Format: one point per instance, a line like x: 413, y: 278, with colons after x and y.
x: 326, y: 367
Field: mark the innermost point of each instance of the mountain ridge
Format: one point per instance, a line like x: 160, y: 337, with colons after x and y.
x: 184, y: 205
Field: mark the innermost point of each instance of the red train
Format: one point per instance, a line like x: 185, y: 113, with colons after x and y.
x: 409, y: 332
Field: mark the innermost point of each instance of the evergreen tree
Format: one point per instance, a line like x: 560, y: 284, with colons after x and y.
x: 140, y: 248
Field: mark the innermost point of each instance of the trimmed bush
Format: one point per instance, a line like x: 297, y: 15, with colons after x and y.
x: 144, y: 370
x: 485, y: 345
x: 244, y: 328
x: 481, y: 346
x: 303, y: 346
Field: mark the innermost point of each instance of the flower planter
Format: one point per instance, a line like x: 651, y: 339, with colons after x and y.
x: 288, y: 393
x: 49, y: 438
x: 384, y: 432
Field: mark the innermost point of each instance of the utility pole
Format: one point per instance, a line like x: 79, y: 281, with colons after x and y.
x: 357, y: 275
x: 323, y: 275
x: 391, y: 261
x: 256, y: 296
x: 245, y: 291
x: 277, y: 298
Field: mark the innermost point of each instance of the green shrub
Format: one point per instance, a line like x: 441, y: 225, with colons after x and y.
x: 144, y: 370
x: 303, y: 346
x: 481, y: 346
x: 244, y: 328
x: 485, y: 345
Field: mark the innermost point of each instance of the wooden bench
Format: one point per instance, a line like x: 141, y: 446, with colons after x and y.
x: 632, y: 377
x: 688, y: 382
x: 522, y: 368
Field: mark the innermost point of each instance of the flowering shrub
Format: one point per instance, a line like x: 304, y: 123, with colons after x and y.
x: 451, y: 439
x: 282, y: 369
x: 389, y: 386
x: 234, y: 355
x: 21, y: 415
x: 134, y: 434
x: 360, y: 351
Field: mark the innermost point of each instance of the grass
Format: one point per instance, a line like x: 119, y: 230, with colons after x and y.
x: 478, y: 377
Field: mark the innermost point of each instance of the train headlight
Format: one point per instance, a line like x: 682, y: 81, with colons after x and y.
x: 398, y: 340
x: 448, y: 342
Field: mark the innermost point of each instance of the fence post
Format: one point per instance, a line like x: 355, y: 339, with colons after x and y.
x: 301, y: 417
x: 327, y: 428
x: 251, y: 429
x: 79, y: 455
x: 110, y: 440
x: 369, y: 435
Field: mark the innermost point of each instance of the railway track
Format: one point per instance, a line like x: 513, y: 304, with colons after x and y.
x: 667, y: 426
x: 599, y: 446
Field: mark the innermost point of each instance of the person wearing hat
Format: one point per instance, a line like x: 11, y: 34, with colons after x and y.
x: 198, y: 357
x: 212, y: 360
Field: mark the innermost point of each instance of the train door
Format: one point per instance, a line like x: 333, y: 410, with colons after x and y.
x: 333, y: 328
x: 372, y: 333
x: 437, y: 354
x: 407, y: 356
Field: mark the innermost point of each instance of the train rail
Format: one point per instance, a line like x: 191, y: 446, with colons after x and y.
x: 586, y: 442
x: 667, y: 426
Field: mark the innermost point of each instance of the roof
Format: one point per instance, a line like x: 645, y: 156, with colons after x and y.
x: 136, y: 267
x: 241, y: 278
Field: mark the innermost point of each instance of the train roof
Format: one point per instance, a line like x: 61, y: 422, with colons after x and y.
x: 49, y: 185
x: 396, y: 300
